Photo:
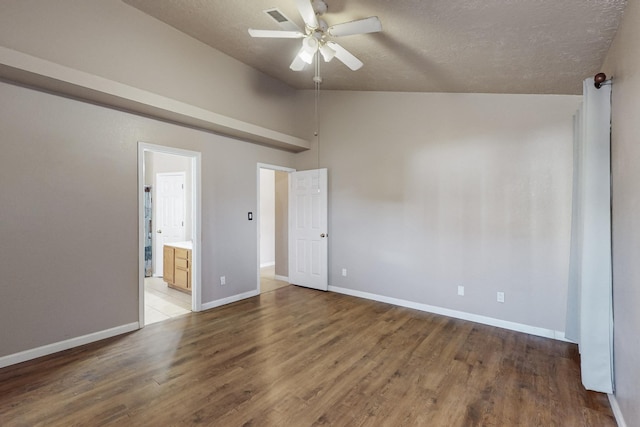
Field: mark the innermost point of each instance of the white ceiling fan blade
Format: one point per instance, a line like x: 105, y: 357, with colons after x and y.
x: 362, y: 26
x: 298, y: 63
x: 307, y: 13
x: 345, y: 56
x: 276, y: 34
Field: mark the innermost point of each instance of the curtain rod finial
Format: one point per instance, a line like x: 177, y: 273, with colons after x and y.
x: 599, y: 79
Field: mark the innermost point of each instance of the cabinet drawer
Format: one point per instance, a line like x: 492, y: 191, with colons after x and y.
x: 182, y: 263
x: 182, y: 253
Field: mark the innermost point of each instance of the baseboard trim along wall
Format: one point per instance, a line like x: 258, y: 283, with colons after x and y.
x: 229, y: 300
x: 616, y: 410
x: 45, y: 350
x: 283, y: 278
x: 518, y: 327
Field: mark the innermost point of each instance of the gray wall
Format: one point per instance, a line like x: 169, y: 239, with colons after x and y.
x: 431, y: 191
x: 69, y: 215
x: 623, y: 63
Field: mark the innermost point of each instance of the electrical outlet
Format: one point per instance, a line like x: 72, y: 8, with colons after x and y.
x: 461, y: 290
x: 500, y: 296
x: 223, y: 280
x: 344, y: 272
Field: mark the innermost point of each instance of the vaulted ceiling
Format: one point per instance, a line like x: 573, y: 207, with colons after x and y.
x: 474, y: 46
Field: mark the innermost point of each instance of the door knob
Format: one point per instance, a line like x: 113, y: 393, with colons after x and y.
x: 323, y: 235
x: 159, y: 231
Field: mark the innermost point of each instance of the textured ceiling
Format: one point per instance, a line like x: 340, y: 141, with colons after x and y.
x: 475, y: 46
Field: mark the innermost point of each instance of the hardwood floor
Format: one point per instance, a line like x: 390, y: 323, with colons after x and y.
x: 298, y: 357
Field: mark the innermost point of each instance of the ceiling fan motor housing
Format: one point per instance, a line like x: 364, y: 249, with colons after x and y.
x: 322, y: 25
x: 319, y: 7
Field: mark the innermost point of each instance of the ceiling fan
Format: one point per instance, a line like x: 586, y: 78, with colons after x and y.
x: 317, y: 33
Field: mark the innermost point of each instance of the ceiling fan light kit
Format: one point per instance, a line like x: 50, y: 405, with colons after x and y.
x: 317, y: 33
x: 327, y: 53
x: 319, y: 7
x: 309, y: 49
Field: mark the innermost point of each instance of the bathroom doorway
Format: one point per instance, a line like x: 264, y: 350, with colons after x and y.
x: 170, y: 219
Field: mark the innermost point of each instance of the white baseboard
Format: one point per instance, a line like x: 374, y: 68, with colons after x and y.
x: 228, y: 300
x: 267, y: 264
x: 519, y: 327
x: 283, y: 278
x: 616, y: 410
x: 45, y: 350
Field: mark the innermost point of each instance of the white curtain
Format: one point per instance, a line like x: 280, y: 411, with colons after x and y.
x: 589, y: 306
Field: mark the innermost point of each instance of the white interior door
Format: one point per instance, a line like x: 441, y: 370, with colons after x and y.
x: 170, y: 213
x: 308, y: 229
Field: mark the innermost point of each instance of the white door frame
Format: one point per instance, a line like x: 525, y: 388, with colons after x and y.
x: 257, y: 216
x: 196, y: 194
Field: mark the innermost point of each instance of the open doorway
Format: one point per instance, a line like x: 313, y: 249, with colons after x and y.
x: 273, y: 259
x: 170, y: 220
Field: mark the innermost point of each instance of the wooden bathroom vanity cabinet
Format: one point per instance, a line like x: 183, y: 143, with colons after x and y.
x: 177, y: 265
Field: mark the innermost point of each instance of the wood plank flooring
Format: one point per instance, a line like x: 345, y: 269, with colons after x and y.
x: 298, y: 357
